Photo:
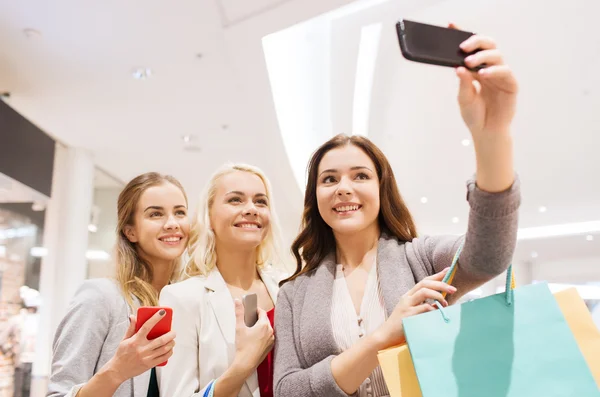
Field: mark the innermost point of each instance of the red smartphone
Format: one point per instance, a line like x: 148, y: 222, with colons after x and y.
x: 162, y: 327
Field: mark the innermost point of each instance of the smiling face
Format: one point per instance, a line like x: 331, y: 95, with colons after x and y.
x: 160, y: 225
x: 348, y: 190
x: 240, y: 214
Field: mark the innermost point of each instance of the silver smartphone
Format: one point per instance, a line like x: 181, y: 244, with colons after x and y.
x: 250, y: 302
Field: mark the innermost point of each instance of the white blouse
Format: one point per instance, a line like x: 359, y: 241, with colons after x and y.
x: 348, y: 328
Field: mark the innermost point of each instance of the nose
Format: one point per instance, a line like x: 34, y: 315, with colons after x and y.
x: 250, y: 210
x: 344, y: 189
x: 171, y: 223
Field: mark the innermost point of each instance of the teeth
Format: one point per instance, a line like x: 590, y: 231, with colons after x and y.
x: 248, y: 226
x: 347, y: 208
x: 171, y: 239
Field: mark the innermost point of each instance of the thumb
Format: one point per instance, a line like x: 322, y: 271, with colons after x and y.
x: 467, y: 90
x: 131, y: 329
x: 239, y: 313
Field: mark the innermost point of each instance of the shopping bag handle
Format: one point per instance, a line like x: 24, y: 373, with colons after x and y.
x: 510, y: 280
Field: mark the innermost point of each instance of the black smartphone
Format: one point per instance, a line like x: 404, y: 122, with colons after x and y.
x: 434, y: 45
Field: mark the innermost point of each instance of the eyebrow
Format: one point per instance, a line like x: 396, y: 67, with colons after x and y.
x: 358, y: 167
x: 158, y: 208
x: 242, y: 193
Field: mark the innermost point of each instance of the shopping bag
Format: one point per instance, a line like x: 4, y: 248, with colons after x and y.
x: 512, y: 344
x: 399, y: 372
x: 583, y: 327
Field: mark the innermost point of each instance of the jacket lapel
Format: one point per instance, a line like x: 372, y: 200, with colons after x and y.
x: 390, y: 271
x: 221, y: 302
x: 315, y: 321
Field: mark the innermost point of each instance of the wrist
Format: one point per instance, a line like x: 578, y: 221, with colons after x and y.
x: 240, y: 368
x: 111, y: 375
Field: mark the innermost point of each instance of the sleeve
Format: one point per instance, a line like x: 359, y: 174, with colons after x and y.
x: 181, y: 375
x: 289, y: 378
x: 490, y: 240
x: 78, y: 340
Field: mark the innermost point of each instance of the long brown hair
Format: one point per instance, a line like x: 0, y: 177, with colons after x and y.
x: 316, y: 238
x: 134, y: 275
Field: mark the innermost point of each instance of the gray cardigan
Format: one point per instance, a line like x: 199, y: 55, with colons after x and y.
x: 88, y: 336
x: 304, y: 346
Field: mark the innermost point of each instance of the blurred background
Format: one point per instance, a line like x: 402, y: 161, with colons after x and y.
x: 94, y: 94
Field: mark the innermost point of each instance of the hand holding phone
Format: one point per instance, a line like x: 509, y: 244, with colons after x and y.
x: 162, y: 327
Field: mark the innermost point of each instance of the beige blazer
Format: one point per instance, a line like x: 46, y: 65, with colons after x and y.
x: 204, y: 320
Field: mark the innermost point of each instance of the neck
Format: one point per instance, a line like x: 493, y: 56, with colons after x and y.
x: 237, y: 266
x: 162, y: 270
x: 354, y: 248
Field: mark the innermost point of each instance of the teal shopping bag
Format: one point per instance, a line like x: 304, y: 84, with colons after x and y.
x: 513, y: 344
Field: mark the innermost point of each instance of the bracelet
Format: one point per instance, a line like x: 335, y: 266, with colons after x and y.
x: 209, y: 389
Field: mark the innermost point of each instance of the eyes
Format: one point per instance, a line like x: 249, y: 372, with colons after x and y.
x: 179, y: 213
x: 260, y: 201
x: 359, y: 176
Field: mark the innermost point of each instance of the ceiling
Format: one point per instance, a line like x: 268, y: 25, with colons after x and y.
x: 210, y: 81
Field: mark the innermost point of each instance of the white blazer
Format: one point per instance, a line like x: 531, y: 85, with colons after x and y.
x: 204, y: 320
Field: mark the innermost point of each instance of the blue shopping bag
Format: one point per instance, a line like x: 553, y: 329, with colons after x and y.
x: 513, y: 344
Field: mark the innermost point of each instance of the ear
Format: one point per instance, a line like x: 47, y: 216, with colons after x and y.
x: 129, y: 232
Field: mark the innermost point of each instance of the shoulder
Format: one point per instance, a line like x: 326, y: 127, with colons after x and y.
x: 98, y: 292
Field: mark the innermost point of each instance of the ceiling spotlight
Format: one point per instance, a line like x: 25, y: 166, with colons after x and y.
x: 187, y: 138
x: 542, y: 209
x: 589, y: 237
x: 466, y: 142
x: 424, y: 200
x: 141, y: 73
x: 92, y: 228
x: 455, y: 219
x: 37, y: 206
x: 534, y: 254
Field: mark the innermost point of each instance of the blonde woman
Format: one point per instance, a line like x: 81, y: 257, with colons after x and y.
x: 234, y: 243
x: 96, y: 351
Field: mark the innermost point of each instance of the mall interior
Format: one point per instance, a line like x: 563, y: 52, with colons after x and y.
x: 94, y: 94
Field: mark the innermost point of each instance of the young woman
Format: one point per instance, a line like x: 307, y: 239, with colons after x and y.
x: 361, y: 269
x: 96, y: 350
x: 234, y: 242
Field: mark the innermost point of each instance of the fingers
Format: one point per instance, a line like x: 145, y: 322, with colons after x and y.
x: 422, y: 308
x: 467, y: 91
x: 486, y: 57
x: 162, y: 340
x: 162, y: 350
x: 435, y: 277
x: 438, y: 286
x: 239, y: 313
x: 131, y: 329
x: 477, y: 42
x: 501, y: 76
x: 162, y: 358
x: 148, y: 325
x: 424, y: 294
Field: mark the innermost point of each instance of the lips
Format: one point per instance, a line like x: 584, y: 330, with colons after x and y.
x: 171, y: 239
x: 248, y: 225
x: 347, y: 207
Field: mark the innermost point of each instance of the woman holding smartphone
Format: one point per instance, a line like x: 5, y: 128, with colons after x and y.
x: 96, y: 351
x: 361, y: 268
x: 233, y: 244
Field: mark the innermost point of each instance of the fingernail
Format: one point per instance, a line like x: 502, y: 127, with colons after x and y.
x: 469, y: 58
x: 452, y: 289
x: 445, y: 303
x: 161, y: 312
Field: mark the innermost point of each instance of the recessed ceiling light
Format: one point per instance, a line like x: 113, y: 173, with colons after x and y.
x: 424, y: 200
x: 589, y: 237
x: 187, y: 138
x: 466, y: 142
x: 455, y: 219
x: 199, y: 55
x: 224, y: 127
x: 37, y: 207
x: 141, y: 73
x: 542, y: 209
x: 92, y: 228
x: 32, y: 33
x: 534, y: 254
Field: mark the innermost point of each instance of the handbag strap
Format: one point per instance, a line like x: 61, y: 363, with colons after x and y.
x: 510, y: 280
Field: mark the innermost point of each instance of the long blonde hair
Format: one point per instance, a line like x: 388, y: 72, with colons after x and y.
x: 134, y: 275
x: 202, y: 238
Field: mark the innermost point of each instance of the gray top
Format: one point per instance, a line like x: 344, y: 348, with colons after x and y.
x: 88, y: 337
x: 305, y: 345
